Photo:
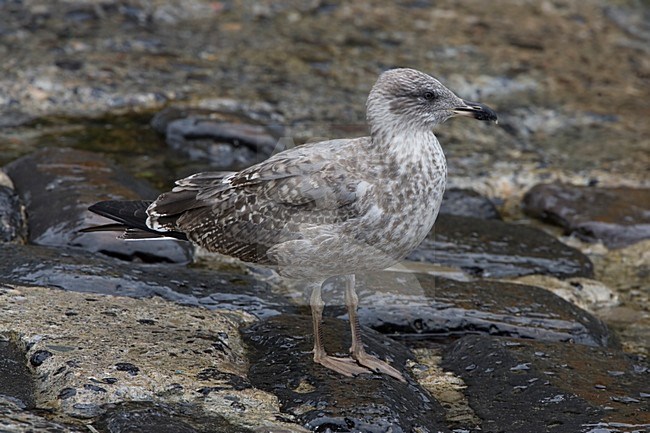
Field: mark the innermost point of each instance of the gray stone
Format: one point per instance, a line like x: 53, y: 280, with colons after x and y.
x: 616, y: 216
x: 13, y: 117
x: 147, y: 417
x: 496, y: 249
x: 179, y: 352
x: 227, y: 146
x: 225, y: 140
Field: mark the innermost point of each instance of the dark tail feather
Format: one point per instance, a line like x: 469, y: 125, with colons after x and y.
x: 129, y: 213
x: 132, y: 219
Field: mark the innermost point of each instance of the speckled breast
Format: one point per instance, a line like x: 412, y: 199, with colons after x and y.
x: 407, y: 208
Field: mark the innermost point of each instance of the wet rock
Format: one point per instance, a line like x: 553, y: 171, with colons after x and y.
x: 588, y: 294
x: 446, y: 387
x: 83, y: 378
x: 58, y: 185
x: 13, y: 227
x: 39, y: 357
x: 424, y: 307
x: 75, y: 270
x: 529, y: 386
x: 128, y: 367
x: 495, y: 249
x: 615, y: 216
x: 15, y: 419
x: 466, y: 202
x: 627, y: 271
x: 17, y: 384
x: 228, y: 141
x: 230, y: 110
x: 146, y: 417
x: 320, y: 399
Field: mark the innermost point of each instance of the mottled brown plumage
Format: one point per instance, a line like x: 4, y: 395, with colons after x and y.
x: 337, y: 207
x: 246, y: 214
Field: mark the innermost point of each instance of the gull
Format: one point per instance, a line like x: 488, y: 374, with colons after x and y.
x: 332, y: 208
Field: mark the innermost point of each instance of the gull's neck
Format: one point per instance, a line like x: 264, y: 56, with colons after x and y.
x: 406, y: 145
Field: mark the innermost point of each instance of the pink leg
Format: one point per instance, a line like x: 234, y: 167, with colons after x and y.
x: 357, y: 350
x: 344, y: 366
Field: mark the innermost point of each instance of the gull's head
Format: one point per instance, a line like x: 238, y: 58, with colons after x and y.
x: 409, y: 98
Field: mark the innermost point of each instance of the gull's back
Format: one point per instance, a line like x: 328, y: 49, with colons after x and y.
x: 293, y: 196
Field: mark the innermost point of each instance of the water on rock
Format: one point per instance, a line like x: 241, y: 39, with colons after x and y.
x: 496, y: 249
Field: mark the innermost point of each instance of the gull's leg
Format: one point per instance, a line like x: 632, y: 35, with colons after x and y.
x: 344, y: 366
x: 357, y: 350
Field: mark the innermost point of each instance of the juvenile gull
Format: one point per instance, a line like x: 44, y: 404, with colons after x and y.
x: 333, y: 208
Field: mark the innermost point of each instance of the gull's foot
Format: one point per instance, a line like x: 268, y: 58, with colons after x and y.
x: 377, y: 365
x: 345, y: 366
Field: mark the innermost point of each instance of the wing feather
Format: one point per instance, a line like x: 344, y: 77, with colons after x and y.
x: 244, y: 214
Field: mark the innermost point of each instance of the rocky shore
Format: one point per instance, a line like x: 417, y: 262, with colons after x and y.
x: 526, y: 309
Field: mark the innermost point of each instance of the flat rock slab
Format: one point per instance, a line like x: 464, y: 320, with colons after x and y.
x: 77, y: 270
x: 58, y: 185
x: 615, y: 216
x: 154, y: 349
x: 496, y: 249
x: 320, y: 399
x: 523, y: 386
x: 89, y: 351
x: 421, y: 306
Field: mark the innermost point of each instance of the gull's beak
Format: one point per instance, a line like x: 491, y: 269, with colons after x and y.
x: 475, y: 110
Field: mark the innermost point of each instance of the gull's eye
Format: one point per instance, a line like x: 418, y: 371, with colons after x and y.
x: 429, y: 95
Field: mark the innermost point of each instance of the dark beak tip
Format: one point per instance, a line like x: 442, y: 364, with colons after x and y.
x: 479, y: 111
x: 487, y: 115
